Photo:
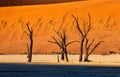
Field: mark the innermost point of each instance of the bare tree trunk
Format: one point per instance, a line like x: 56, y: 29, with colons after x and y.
x: 87, y: 47
x: 86, y: 58
x: 62, y: 55
x: 66, y: 55
x: 30, y: 50
x: 81, y: 50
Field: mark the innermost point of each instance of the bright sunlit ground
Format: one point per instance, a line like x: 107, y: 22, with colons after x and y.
x: 73, y: 59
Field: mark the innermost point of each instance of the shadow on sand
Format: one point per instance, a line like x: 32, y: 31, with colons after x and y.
x: 5, y: 3
x: 57, y: 70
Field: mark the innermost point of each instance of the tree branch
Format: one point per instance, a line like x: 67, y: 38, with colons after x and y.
x: 90, y: 44
x: 84, y: 27
x: 71, y: 43
x: 77, y: 25
x: 58, y: 34
x: 24, y: 31
x: 29, y: 29
x: 56, y: 41
x: 96, y: 46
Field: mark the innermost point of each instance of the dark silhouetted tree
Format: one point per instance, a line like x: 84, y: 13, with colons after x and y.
x: 83, y: 35
x: 61, y: 41
x: 84, y: 30
x: 29, y: 33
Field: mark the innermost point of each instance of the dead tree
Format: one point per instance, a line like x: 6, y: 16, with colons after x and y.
x: 29, y: 33
x: 88, y: 50
x: 82, y: 33
x: 61, y: 41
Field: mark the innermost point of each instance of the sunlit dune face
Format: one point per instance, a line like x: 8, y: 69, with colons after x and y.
x: 44, y: 19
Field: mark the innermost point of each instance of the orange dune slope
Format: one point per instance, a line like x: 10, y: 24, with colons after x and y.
x: 44, y: 19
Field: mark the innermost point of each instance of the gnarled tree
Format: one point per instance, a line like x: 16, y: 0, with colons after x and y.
x: 83, y: 34
x: 84, y: 30
x: 61, y: 41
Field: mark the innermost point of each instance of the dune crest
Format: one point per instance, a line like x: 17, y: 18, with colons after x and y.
x: 5, y: 3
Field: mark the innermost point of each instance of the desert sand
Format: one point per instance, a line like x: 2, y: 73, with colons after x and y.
x: 105, y: 16
x: 105, y: 60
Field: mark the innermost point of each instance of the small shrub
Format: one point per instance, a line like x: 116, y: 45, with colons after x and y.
x: 112, y: 52
x: 1, y: 53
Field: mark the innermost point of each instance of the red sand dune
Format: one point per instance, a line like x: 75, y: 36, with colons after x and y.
x: 13, y: 39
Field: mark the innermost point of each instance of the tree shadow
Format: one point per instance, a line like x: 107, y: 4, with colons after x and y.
x: 88, y: 61
x: 6, y: 3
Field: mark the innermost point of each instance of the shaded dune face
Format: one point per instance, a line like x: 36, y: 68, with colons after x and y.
x: 4, y: 3
x: 44, y: 19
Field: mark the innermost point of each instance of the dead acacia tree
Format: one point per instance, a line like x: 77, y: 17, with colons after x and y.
x: 90, y: 50
x: 84, y: 30
x: 61, y: 41
x: 83, y: 34
x: 29, y: 33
